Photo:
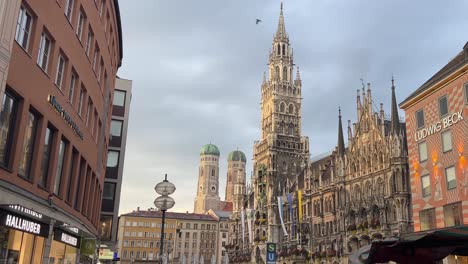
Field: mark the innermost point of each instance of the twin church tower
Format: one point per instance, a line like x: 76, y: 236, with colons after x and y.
x: 208, y: 181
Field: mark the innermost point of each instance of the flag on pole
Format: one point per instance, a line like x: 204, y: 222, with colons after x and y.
x: 299, y: 201
x: 280, y: 210
x: 291, y: 215
x: 243, y: 226
x: 249, y: 224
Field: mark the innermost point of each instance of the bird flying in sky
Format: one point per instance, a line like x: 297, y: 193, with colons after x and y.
x: 257, y: 21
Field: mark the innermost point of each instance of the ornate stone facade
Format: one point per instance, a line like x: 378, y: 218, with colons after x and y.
x: 360, y: 193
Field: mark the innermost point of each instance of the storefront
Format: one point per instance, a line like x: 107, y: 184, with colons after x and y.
x: 64, y: 246
x: 23, y: 233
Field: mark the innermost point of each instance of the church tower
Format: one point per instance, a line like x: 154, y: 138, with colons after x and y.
x: 282, y: 150
x: 208, y: 180
x: 235, y: 180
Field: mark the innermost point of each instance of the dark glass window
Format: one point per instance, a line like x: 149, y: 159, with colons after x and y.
x: 7, y: 126
x: 48, y: 141
x: 81, y: 175
x: 109, y: 191
x: 106, y: 227
x: 59, y: 170
x: 28, y: 146
x: 71, y: 172
x: 443, y: 105
x: 420, y: 118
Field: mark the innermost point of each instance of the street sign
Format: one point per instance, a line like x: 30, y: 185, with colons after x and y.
x: 271, y: 253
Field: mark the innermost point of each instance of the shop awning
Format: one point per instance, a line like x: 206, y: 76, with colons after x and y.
x: 419, y: 247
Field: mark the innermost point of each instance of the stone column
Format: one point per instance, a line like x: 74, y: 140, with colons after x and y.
x: 8, y: 17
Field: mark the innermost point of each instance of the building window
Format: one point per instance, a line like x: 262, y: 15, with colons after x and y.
x: 71, y: 91
x: 44, y: 51
x: 80, y: 101
x: 451, y: 177
x: 49, y: 136
x: 69, y: 9
x: 80, y: 24
x: 426, y: 185
x: 88, y: 111
x: 422, y: 147
x: 427, y: 219
x: 7, y: 127
x: 119, y: 98
x: 71, y: 172
x: 23, y: 28
x: 443, y: 106
x: 112, y: 159
x: 89, y: 40
x: 116, y: 128
x: 446, y: 141
x: 106, y: 227
x: 60, y: 70
x: 28, y: 147
x: 453, y: 214
x: 59, y: 171
x: 109, y: 191
x: 420, y: 119
x: 96, y: 56
x: 466, y: 93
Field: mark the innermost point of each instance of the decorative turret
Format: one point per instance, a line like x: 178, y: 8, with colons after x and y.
x: 341, y: 145
x: 281, y: 31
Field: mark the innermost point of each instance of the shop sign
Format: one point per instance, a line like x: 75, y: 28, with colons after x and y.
x: 66, y: 238
x: 105, y: 253
x: 271, y: 253
x: 53, y: 102
x: 444, y: 123
x: 23, y: 224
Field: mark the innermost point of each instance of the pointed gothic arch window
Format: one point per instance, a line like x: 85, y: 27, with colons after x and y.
x: 278, y: 49
x: 282, y: 106
x: 284, y: 50
x: 285, y: 73
x: 213, y: 172
x: 291, y: 109
x: 277, y: 72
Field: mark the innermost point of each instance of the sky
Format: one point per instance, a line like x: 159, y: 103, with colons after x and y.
x: 197, y: 68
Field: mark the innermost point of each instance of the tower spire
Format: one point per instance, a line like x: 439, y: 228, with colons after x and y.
x: 281, y: 31
x: 395, y: 121
x: 298, y: 75
x: 341, y: 146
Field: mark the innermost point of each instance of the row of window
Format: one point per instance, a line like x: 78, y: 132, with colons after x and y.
x: 443, y: 108
x: 62, y: 171
x: 452, y: 216
x: 141, y: 243
x: 450, y: 181
x: 71, y: 9
x: 147, y: 234
x: 144, y: 255
x: 46, y: 45
x: 203, y: 245
x: 447, y: 146
x: 149, y: 224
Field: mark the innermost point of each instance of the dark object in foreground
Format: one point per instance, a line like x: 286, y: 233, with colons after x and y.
x: 419, y: 247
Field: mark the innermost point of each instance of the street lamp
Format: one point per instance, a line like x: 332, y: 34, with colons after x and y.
x: 164, y: 203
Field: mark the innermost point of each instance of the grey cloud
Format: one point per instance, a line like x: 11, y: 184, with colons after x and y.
x: 197, y: 68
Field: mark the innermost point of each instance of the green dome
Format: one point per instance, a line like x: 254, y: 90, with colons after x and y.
x: 237, y: 155
x: 209, y: 149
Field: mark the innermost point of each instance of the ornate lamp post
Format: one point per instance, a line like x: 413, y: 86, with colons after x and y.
x: 164, y: 203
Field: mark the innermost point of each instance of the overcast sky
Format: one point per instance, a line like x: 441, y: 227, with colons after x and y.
x: 197, y: 67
